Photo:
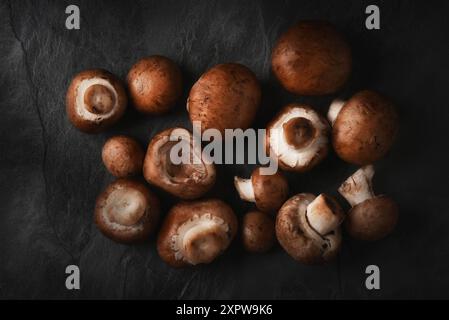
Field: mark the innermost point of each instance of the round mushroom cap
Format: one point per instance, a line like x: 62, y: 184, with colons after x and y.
x: 126, y: 211
x: 258, y: 233
x: 270, y: 191
x: 299, y: 239
x: 95, y: 100
x: 365, y: 128
x: 298, y: 138
x: 225, y: 97
x: 187, y: 180
x: 196, y: 232
x: 312, y: 58
x: 155, y: 84
x: 122, y: 156
x: 372, y: 219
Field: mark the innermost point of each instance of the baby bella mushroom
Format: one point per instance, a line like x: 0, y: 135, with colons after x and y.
x: 312, y: 58
x: 363, y: 128
x: 268, y: 192
x: 258, y: 233
x: 188, y: 179
x: 155, y: 84
x: 308, y: 228
x: 127, y: 211
x: 196, y: 232
x: 95, y: 100
x: 122, y: 156
x: 371, y: 217
x: 225, y: 97
x: 298, y: 138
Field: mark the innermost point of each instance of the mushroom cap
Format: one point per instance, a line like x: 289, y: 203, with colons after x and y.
x: 227, y: 96
x: 365, y: 128
x: 373, y: 219
x: 258, y: 233
x: 155, y: 84
x: 95, y: 100
x: 197, y: 230
x: 127, y: 211
x: 298, y: 138
x: 186, y: 181
x: 299, y: 239
x: 122, y: 156
x: 270, y: 191
x: 312, y: 58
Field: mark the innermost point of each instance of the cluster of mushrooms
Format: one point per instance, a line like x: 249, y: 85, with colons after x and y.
x: 311, y: 58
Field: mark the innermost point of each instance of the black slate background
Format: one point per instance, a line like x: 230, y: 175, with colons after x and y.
x: 50, y: 173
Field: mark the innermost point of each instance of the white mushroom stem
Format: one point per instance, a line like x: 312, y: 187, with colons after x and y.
x: 321, y: 216
x: 358, y: 187
x: 125, y: 207
x: 245, y: 189
x: 200, y: 239
x: 334, y: 110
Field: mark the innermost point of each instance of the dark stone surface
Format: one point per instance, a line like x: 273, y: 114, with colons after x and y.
x: 50, y: 173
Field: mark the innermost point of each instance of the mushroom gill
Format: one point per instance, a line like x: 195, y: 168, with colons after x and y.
x: 298, y: 138
x: 175, y: 164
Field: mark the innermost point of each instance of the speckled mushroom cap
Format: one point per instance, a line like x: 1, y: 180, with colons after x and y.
x: 298, y: 138
x: 268, y: 192
x: 126, y: 211
x: 312, y: 58
x: 185, y: 180
x: 155, y: 84
x: 95, y: 100
x: 196, y: 232
x: 258, y: 233
x: 307, y: 227
x: 123, y: 156
x: 371, y: 217
x: 364, y: 127
x: 227, y: 96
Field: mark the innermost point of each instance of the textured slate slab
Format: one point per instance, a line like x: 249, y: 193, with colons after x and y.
x: 50, y: 173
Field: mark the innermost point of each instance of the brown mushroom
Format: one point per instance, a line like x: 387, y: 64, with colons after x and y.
x: 95, y: 100
x: 364, y: 127
x: 298, y: 138
x: 155, y: 84
x: 371, y: 217
x: 307, y: 227
x: 127, y: 211
x: 225, y: 97
x: 268, y: 192
x: 187, y: 179
x: 122, y: 156
x: 312, y: 58
x: 258, y: 233
x: 196, y: 232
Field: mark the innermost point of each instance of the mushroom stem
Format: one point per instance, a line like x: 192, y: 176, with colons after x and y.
x: 245, y: 189
x: 203, y: 244
x: 323, y: 215
x: 358, y: 187
x: 334, y: 110
x: 201, y: 239
x: 126, y: 207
